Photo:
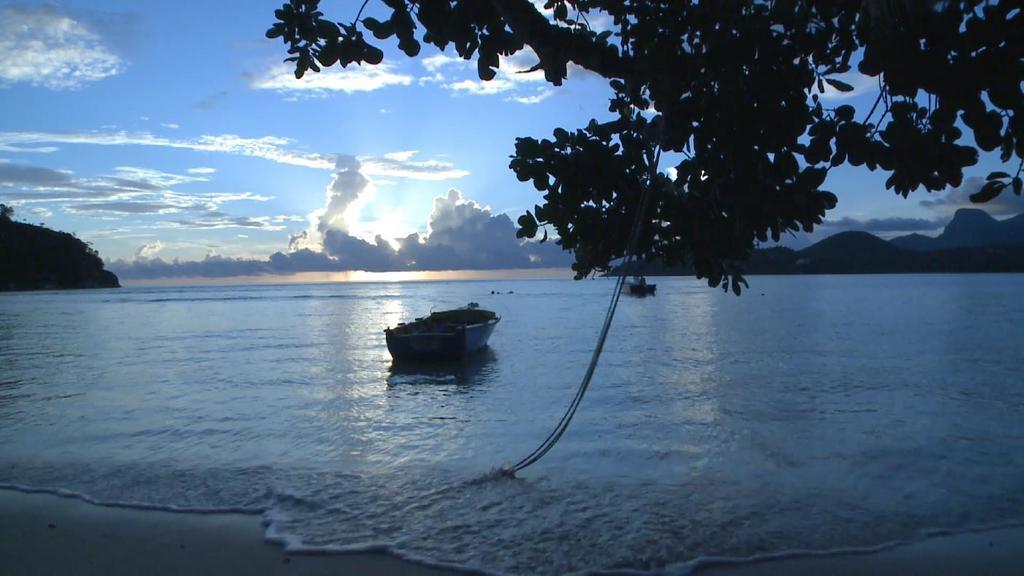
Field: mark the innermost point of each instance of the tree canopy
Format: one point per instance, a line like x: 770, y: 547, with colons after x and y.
x: 732, y: 89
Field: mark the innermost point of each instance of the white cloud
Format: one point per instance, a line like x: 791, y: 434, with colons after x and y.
x: 391, y: 165
x: 39, y: 211
x: 171, y: 125
x: 336, y: 79
x: 155, y: 177
x: 42, y: 47
x: 513, y: 77
x: 861, y: 85
x: 540, y: 96
x: 268, y: 147
x: 400, y: 165
x: 202, y: 170
x: 401, y: 155
x: 148, y: 250
x: 479, y: 87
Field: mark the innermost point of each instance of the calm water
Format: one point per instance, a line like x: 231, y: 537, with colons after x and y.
x: 813, y: 412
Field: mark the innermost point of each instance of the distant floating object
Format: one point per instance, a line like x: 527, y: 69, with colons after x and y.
x: 640, y: 287
x: 443, y: 335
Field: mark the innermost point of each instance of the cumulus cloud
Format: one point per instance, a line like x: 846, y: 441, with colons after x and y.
x: 952, y: 199
x: 281, y: 78
x: 148, y: 250
x: 346, y: 186
x: 461, y: 235
x: 43, y: 47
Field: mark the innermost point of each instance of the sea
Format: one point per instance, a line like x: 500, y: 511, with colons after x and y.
x: 815, y: 414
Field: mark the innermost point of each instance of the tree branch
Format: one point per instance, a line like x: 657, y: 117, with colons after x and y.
x: 556, y: 45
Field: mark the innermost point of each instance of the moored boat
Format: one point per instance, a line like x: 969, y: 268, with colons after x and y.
x: 640, y: 287
x: 442, y: 335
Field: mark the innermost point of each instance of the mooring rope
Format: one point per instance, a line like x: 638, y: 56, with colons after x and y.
x: 563, y: 424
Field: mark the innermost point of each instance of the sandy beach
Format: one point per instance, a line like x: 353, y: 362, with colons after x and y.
x: 46, y: 534
x: 996, y: 552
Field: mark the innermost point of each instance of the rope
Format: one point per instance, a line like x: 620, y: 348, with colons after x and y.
x: 563, y: 424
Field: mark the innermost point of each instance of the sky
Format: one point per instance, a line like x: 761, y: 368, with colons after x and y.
x: 171, y: 136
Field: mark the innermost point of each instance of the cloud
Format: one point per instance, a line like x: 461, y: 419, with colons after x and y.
x: 170, y: 125
x: 462, y: 235
x: 281, y: 78
x: 401, y: 165
x: 268, y: 147
x: 125, y: 207
x: 212, y: 266
x: 346, y: 186
x: 21, y: 182
x: 39, y: 212
x: 156, y: 178
x: 42, y: 47
x: 129, y: 191
x: 201, y: 170
x: 883, y: 226
x: 513, y: 77
x: 952, y: 199
x: 861, y: 85
x: 539, y: 96
x: 218, y: 221
x: 148, y: 250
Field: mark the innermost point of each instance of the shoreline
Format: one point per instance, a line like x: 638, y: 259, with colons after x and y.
x: 46, y: 533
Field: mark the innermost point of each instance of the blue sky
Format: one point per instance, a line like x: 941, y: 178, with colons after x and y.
x: 172, y: 130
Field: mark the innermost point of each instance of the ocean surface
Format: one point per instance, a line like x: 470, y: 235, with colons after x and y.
x: 812, y: 413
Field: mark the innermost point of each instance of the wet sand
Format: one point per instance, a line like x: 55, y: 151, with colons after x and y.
x: 995, y: 552
x: 46, y: 534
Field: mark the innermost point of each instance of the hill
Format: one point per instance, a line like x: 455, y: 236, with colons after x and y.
x: 37, y: 258
x: 972, y: 242
x: 969, y: 228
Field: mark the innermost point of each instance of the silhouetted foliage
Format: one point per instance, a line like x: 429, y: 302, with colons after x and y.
x: 34, y: 258
x: 6, y: 212
x: 732, y: 88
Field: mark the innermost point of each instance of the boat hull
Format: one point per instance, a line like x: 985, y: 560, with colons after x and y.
x: 427, y: 346
x: 642, y: 289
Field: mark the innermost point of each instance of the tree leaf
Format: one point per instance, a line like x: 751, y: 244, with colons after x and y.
x: 839, y: 85
x: 989, y: 191
x: 997, y: 176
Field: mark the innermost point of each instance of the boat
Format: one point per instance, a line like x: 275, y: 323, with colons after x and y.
x: 640, y: 287
x: 444, y: 335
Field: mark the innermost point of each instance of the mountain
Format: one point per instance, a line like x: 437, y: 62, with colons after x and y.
x: 37, y: 258
x: 969, y: 228
x: 972, y: 242
x: 852, y: 252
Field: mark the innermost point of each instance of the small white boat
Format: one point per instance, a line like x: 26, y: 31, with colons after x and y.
x: 442, y: 335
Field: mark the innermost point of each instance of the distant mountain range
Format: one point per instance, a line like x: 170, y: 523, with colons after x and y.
x: 973, y: 241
